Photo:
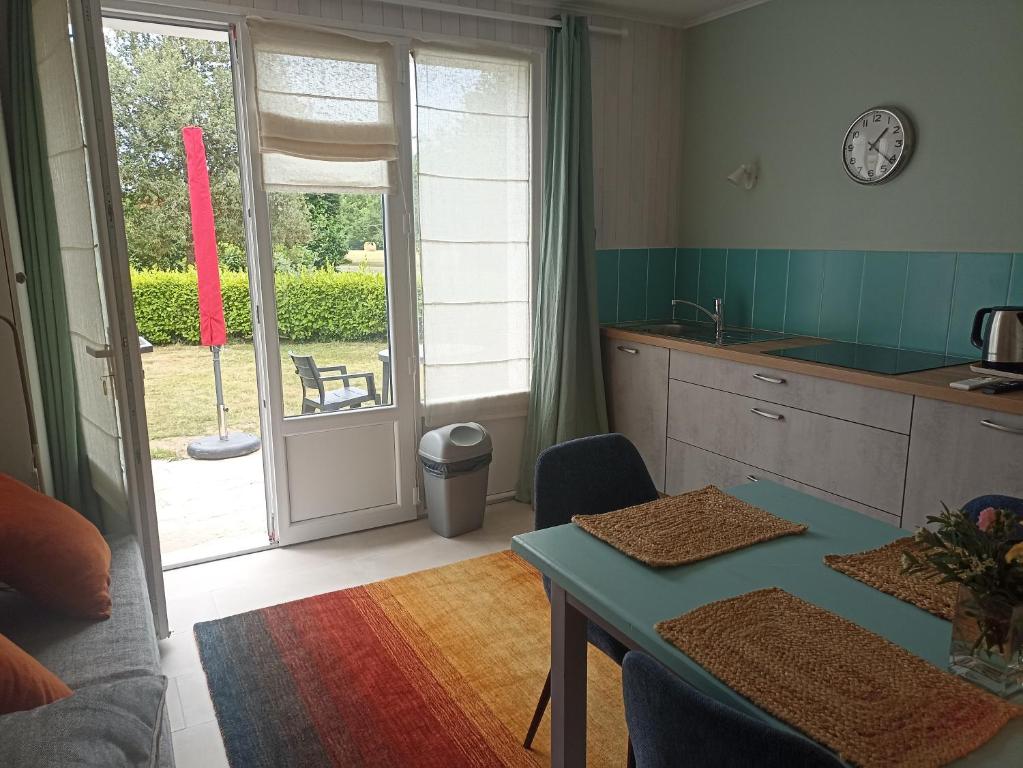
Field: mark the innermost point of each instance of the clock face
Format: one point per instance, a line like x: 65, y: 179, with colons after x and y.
x: 877, y: 145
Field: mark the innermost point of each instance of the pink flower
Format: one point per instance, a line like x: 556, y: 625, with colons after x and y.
x: 987, y: 519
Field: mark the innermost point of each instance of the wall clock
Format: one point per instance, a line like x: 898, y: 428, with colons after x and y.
x: 877, y: 145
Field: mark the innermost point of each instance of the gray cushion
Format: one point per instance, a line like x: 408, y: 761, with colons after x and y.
x: 82, y: 652
x: 107, y: 725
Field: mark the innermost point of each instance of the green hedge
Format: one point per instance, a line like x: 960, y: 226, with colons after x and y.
x: 315, y: 305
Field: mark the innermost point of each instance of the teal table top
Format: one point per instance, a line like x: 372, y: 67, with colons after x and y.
x: 633, y: 597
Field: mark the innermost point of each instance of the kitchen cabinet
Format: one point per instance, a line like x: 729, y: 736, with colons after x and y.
x: 862, y: 405
x: 854, y: 461
x: 636, y: 385
x: 957, y: 453
x: 689, y: 468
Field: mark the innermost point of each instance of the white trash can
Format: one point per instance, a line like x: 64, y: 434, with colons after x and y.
x: 456, y: 466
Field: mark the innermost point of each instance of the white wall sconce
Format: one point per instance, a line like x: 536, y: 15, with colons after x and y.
x: 745, y: 175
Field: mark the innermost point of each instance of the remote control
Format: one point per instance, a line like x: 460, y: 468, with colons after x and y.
x: 999, y: 387
x: 975, y: 383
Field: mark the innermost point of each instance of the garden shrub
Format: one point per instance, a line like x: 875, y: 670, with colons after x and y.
x: 312, y: 305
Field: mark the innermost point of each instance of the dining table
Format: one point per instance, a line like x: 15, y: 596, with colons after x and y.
x: 591, y: 580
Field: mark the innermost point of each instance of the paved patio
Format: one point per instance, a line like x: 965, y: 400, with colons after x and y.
x: 209, y: 508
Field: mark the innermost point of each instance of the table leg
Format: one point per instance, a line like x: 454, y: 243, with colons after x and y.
x: 568, y: 682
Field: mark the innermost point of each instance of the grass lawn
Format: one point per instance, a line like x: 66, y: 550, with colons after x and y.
x: 181, y: 402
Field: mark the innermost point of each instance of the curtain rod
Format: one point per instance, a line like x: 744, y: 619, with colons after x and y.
x: 481, y: 13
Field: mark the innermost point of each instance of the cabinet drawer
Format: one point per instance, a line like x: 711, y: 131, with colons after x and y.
x: 636, y: 382
x: 851, y: 460
x: 874, y: 407
x: 689, y: 468
x: 957, y: 453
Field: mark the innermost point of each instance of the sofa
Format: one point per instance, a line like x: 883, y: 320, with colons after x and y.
x: 116, y: 715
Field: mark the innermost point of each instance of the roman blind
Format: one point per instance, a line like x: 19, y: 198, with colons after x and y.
x: 473, y: 143
x: 325, y: 104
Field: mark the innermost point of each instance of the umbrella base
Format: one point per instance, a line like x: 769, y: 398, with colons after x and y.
x: 212, y: 448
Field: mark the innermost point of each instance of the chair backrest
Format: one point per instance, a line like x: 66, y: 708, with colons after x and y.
x: 672, y: 725
x: 589, y: 476
x: 309, y: 374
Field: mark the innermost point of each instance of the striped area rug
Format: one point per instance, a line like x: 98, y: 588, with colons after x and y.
x: 437, y: 669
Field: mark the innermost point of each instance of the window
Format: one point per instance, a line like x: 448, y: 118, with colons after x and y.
x: 472, y: 167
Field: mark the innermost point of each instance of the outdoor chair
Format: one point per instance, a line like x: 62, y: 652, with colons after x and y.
x: 326, y: 400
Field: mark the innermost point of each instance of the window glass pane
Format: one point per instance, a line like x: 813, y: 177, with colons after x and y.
x: 331, y: 289
x: 472, y: 164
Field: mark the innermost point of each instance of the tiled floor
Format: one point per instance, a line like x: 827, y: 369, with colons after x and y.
x: 226, y: 587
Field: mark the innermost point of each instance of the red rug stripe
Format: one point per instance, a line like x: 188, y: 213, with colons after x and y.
x: 354, y: 691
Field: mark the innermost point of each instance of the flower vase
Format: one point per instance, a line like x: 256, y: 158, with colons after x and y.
x: 987, y: 643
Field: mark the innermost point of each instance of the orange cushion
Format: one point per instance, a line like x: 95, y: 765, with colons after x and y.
x: 52, y: 553
x: 24, y: 682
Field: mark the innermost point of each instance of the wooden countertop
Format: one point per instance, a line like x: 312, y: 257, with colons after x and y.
x: 932, y: 384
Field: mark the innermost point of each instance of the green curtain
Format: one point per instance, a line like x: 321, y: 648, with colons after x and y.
x: 566, y: 397
x: 40, y: 244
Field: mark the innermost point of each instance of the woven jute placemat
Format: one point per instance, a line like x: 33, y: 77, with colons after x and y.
x: 872, y: 702
x: 675, y: 530
x: 881, y: 569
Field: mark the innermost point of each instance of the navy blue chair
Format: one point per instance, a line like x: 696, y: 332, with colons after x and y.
x: 672, y: 725
x: 972, y: 508
x: 588, y: 476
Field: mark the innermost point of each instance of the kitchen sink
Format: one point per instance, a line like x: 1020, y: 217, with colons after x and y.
x: 704, y: 333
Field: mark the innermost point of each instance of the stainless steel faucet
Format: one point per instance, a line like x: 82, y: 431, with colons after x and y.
x: 717, y: 316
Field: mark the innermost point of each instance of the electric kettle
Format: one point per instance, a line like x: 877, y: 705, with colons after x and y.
x: 1001, y: 339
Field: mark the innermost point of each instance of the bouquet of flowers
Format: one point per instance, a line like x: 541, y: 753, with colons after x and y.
x: 985, y: 557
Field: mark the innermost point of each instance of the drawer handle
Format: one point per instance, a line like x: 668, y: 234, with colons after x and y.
x: 767, y: 414
x: 630, y: 350
x: 1002, y: 427
x: 768, y: 379
x: 753, y: 478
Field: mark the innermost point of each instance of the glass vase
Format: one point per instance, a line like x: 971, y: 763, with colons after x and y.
x: 987, y: 643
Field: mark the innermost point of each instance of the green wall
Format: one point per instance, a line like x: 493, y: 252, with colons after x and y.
x: 782, y: 81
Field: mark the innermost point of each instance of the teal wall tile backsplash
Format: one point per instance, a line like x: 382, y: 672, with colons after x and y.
x: 770, y: 287
x: 803, y: 305
x: 632, y: 266
x: 740, y: 276
x: 929, y: 282
x: 660, y: 283
x: 840, y: 299
x: 914, y: 300
x: 882, y: 298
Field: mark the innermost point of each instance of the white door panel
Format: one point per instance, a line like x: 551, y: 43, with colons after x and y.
x: 335, y: 471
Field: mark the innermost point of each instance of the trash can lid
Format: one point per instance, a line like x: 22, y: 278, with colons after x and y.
x: 455, y: 442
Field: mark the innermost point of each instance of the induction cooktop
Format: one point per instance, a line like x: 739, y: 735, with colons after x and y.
x: 864, y: 357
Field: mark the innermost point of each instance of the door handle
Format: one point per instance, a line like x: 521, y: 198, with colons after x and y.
x: 628, y: 350
x: 99, y: 353
x: 1001, y: 427
x: 767, y: 414
x: 768, y: 379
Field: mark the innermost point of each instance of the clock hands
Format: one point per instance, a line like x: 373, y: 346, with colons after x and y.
x: 873, y: 146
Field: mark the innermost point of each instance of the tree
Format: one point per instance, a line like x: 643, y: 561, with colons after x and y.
x: 159, y: 84
x: 342, y: 222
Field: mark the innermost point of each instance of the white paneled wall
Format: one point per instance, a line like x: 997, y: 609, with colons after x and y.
x: 637, y: 130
